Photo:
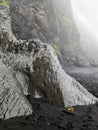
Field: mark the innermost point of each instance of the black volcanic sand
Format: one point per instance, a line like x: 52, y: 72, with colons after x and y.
x: 47, y: 116
x: 87, y: 77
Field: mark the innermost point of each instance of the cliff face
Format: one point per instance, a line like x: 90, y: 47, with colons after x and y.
x: 12, y: 99
x: 32, y: 67
x: 51, y: 21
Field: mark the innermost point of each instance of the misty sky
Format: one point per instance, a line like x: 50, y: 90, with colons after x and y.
x: 85, y: 14
x: 88, y: 10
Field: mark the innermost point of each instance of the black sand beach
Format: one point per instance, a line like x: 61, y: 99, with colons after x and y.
x: 47, y: 116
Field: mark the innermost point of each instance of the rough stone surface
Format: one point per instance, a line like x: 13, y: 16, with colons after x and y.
x: 51, y: 21
x: 12, y: 100
x: 37, y: 63
x: 46, y: 75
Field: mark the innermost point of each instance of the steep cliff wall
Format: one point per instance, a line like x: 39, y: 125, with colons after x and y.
x: 32, y: 67
x: 51, y: 21
x: 12, y: 99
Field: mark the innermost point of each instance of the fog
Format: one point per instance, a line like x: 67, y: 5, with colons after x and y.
x: 85, y: 14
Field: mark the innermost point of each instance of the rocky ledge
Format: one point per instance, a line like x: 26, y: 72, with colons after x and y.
x: 31, y: 67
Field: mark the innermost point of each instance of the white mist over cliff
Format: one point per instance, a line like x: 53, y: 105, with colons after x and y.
x: 86, y: 18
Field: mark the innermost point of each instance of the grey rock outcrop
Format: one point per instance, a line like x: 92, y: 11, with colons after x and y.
x: 52, y: 22
x: 12, y: 99
x: 40, y: 64
x: 36, y: 63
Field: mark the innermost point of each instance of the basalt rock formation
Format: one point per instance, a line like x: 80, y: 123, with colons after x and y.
x: 12, y: 99
x: 32, y: 67
x: 51, y: 21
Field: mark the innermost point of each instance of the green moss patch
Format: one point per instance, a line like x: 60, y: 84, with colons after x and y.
x: 55, y: 48
x: 4, y: 3
x: 63, y: 18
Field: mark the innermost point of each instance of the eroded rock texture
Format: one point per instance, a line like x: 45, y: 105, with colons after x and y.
x: 12, y: 99
x: 51, y: 21
x: 36, y: 71
x: 46, y: 75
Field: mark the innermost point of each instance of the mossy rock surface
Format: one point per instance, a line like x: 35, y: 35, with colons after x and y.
x: 55, y: 47
x: 63, y: 19
x: 4, y: 3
